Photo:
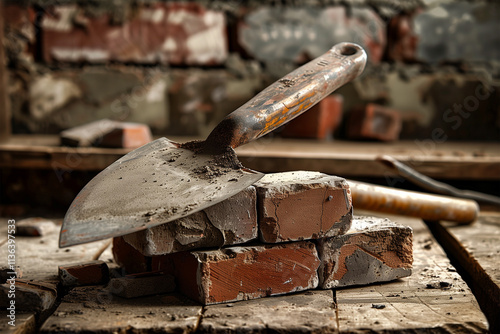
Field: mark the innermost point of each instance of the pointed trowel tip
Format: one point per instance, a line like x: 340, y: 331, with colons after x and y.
x: 63, y: 238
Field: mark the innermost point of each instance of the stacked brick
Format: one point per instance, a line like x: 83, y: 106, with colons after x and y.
x: 289, y: 232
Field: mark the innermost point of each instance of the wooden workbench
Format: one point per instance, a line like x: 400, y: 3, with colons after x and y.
x: 434, y: 299
x: 448, y: 160
x: 412, y: 304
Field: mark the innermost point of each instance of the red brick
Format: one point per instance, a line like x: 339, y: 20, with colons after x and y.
x: 241, y: 273
x: 374, y: 250
x: 87, y: 134
x: 127, y: 135
x: 374, y: 122
x: 176, y: 33
x: 87, y: 273
x: 35, y: 227
x: 302, y: 205
x: 230, y: 222
x: 20, y: 31
x: 128, y: 258
x: 319, y: 122
x: 261, y: 35
x: 402, y: 42
x: 107, y: 133
x: 139, y: 285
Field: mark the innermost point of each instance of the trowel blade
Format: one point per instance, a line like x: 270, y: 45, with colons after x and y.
x: 152, y: 185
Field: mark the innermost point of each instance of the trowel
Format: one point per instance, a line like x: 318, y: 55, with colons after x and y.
x: 164, y: 180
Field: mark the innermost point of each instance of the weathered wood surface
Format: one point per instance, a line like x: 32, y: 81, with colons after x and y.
x: 449, y: 160
x: 96, y: 310
x: 39, y: 257
x: 307, y: 312
x: 25, y: 324
x: 476, y: 251
x: 434, y: 299
x: 479, y: 161
x: 418, y: 303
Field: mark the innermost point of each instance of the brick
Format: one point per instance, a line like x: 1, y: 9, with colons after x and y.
x: 230, y: 222
x: 129, y: 258
x: 127, y: 135
x: 457, y: 32
x: 120, y: 93
x: 86, y: 273
x: 374, y: 122
x: 401, y: 39
x: 107, y: 133
x: 103, y: 84
x: 70, y: 97
x: 236, y: 217
x: 168, y: 33
x: 373, y: 250
x: 140, y: 285
x: 289, y: 39
x: 20, y: 19
x: 29, y: 296
x: 35, y: 227
x: 197, y: 101
x: 49, y: 93
x: 319, y: 122
x: 242, y: 273
x: 87, y: 134
x: 19, y: 33
x: 302, y: 205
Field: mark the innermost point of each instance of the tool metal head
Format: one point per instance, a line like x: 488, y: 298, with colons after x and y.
x: 154, y: 184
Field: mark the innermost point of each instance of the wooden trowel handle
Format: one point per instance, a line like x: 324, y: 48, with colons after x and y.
x: 411, y: 203
x: 289, y: 97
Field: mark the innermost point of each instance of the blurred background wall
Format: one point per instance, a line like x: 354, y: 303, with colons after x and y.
x: 180, y: 66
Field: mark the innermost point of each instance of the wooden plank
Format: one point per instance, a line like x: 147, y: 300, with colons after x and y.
x: 449, y: 160
x: 467, y: 161
x: 476, y: 251
x: 57, y: 158
x: 25, y: 323
x: 5, y: 113
x: 94, y: 310
x: 306, y: 312
x: 39, y: 257
x: 434, y: 299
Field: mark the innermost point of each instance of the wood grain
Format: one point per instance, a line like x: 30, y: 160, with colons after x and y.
x: 434, y: 299
x: 475, y: 250
x: 95, y: 310
x: 306, y: 312
x: 39, y: 257
x: 450, y: 160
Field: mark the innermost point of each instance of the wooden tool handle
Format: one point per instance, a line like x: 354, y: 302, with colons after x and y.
x: 411, y: 203
x: 289, y: 97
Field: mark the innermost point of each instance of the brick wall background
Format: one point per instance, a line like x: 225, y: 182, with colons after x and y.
x: 180, y: 66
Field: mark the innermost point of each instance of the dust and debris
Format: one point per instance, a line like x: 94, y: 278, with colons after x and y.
x: 439, y: 285
x: 378, y: 306
x: 219, y: 165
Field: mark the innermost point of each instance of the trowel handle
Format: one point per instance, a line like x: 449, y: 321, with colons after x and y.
x: 289, y: 97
